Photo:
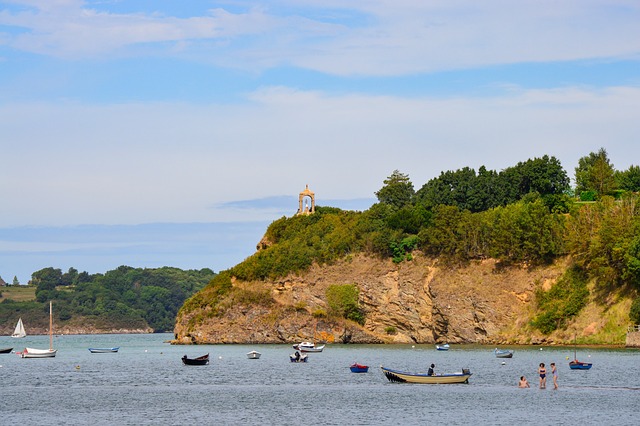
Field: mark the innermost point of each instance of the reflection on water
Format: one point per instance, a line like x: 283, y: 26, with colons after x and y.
x: 146, y: 383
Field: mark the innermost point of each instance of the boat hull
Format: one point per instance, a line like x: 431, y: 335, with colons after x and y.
x: 442, y: 348
x: 577, y: 365
x: 254, y: 355
x: 359, y: 368
x: 201, y: 360
x: 404, y: 377
x: 6, y: 351
x: 503, y: 354
x: 103, y: 350
x: 38, y: 353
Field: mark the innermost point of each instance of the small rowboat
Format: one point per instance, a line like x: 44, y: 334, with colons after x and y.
x: 503, y: 353
x: 253, y: 355
x: 103, y: 350
x: 359, y: 368
x: 201, y: 360
x: 6, y: 351
x: 444, y: 347
x: 404, y: 377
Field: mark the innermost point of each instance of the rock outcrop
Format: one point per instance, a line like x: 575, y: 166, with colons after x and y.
x: 417, y: 301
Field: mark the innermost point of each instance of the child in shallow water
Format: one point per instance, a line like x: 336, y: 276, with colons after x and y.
x: 523, y: 382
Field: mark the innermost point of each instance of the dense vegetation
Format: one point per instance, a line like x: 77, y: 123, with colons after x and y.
x: 129, y: 298
x: 527, y: 213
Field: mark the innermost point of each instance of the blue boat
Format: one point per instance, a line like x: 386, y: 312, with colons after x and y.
x: 575, y: 364
x: 444, y: 347
x: 359, y: 368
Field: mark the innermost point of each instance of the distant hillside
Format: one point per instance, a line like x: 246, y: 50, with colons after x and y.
x: 123, y: 300
x: 531, y: 262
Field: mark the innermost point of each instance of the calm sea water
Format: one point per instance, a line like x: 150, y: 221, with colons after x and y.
x: 146, y: 383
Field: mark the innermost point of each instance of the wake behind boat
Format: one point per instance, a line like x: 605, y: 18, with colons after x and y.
x: 103, y: 350
x: 404, y: 377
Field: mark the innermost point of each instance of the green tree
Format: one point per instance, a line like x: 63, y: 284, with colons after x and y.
x: 628, y: 180
x: 15, y: 280
x: 397, y: 190
x: 595, y: 173
x: 343, y: 302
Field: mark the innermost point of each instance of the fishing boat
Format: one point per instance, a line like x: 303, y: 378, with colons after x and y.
x: 19, y: 331
x: 6, y: 350
x: 253, y: 355
x: 503, y: 353
x: 404, y: 377
x: 201, y: 360
x: 103, y: 350
x: 43, y: 353
x: 308, y: 347
x: 297, y: 357
x: 358, y: 368
x: 575, y: 364
x: 444, y: 347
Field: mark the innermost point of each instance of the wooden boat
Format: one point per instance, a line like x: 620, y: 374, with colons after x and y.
x: 298, y: 358
x: 19, y: 331
x: 444, y: 347
x: 575, y: 364
x: 503, y: 353
x: 308, y: 347
x: 201, y: 360
x: 43, y: 353
x: 253, y: 355
x: 6, y: 350
x: 404, y: 377
x: 103, y: 350
x: 359, y: 368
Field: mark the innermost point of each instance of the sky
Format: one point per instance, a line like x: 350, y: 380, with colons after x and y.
x: 157, y: 133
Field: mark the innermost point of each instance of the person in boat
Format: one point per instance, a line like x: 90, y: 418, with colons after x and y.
x: 523, y: 382
x: 297, y: 356
x: 554, y: 374
x: 542, y: 371
x: 430, y: 371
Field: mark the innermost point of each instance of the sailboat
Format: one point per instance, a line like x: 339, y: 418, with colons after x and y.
x: 575, y: 364
x: 42, y: 353
x: 19, y: 331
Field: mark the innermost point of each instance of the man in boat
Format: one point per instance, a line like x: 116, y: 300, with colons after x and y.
x: 297, y: 356
x: 430, y: 371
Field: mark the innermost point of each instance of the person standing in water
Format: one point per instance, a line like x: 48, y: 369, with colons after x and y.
x: 554, y: 373
x: 543, y: 376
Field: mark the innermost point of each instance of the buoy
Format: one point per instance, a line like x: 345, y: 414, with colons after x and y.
x: 77, y: 367
x: 413, y: 346
x: 145, y: 350
x: 504, y: 363
x: 540, y: 348
x: 220, y: 357
x: 567, y: 357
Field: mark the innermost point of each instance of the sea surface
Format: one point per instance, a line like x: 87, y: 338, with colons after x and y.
x: 146, y: 383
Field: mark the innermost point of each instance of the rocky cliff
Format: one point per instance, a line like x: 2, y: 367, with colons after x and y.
x: 417, y: 301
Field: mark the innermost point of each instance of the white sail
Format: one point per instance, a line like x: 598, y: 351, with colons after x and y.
x: 19, y: 331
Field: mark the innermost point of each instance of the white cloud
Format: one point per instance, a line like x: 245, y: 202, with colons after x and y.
x: 135, y: 163
x: 375, y: 38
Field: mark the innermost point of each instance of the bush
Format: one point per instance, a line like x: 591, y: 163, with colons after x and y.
x: 634, y: 312
x: 343, y: 302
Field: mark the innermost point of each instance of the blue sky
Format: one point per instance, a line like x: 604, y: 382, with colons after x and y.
x: 154, y: 133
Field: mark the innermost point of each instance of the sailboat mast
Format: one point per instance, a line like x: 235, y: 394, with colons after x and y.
x: 50, y: 326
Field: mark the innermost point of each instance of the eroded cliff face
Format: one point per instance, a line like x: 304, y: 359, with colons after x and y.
x: 418, y: 301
